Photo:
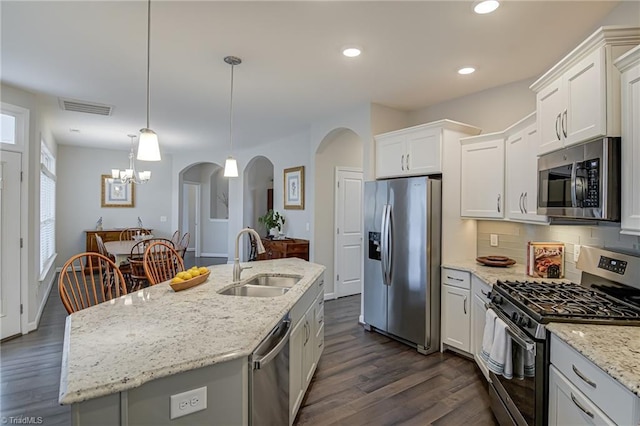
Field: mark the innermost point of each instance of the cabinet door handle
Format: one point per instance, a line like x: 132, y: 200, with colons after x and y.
x: 484, y: 293
x: 498, y: 204
x: 464, y: 305
x: 454, y: 278
x: 402, y: 162
x: 557, y: 126
x: 583, y: 377
x: 564, y: 123
x: 524, y: 204
x: 407, y: 162
x: 584, y: 410
x: 521, y: 196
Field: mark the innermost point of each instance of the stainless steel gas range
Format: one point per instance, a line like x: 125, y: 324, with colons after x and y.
x: 608, y: 293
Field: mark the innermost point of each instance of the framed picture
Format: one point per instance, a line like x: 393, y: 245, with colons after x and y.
x: 117, y: 194
x: 294, y: 188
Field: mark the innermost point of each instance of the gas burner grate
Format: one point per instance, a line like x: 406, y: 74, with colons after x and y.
x: 568, y: 300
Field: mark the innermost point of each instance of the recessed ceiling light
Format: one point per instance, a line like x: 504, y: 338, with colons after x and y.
x: 466, y: 70
x: 351, y: 51
x: 485, y: 6
x: 74, y: 130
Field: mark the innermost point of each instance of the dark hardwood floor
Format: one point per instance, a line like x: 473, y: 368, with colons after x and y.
x: 362, y: 378
x: 365, y: 378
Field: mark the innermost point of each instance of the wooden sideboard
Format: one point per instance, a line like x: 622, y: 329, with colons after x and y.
x: 105, y: 234
x: 289, y: 247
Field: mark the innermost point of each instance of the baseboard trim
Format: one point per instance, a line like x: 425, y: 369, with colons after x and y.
x: 330, y: 296
x: 361, y: 319
x: 214, y: 254
x: 33, y: 325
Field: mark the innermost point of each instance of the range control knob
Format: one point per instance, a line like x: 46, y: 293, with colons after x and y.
x: 524, y: 321
x: 515, y: 317
x: 496, y: 299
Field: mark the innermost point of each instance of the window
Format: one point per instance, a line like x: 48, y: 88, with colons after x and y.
x: 7, y: 129
x: 47, y: 208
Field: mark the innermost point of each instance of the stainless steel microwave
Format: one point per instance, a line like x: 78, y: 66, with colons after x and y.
x: 581, y: 182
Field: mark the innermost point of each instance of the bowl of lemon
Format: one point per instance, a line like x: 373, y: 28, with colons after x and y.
x: 189, y: 278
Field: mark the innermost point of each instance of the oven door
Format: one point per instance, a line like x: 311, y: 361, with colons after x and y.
x: 521, y: 401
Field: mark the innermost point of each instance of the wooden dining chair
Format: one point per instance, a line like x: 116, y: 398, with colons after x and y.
x: 79, y: 290
x: 161, y: 262
x: 128, y: 233
x: 182, y: 246
x: 175, y: 238
x: 124, y: 267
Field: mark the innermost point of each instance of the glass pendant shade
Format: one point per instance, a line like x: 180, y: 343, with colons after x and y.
x: 148, y: 148
x: 131, y: 175
x: 230, y: 167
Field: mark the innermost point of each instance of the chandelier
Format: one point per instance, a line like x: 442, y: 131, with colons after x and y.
x: 130, y: 175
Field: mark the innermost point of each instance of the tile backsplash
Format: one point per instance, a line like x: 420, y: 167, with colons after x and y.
x: 513, y: 238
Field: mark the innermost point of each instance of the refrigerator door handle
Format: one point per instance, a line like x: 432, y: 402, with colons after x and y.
x: 383, y: 244
x: 389, y: 245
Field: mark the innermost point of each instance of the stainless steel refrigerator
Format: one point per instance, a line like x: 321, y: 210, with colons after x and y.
x: 402, y: 220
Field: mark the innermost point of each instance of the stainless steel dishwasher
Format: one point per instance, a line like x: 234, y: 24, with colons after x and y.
x: 269, y: 378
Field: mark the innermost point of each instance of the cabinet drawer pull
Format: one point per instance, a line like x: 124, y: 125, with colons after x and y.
x: 583, y: 377
x: 321, y: 302
x: 320, y: 344
x: 454, y: 278
x: 321, y: 283
x: 584, y: 410
x: 320, y: 321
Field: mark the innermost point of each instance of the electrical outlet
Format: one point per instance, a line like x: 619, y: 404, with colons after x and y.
x: 494, y: 240
x: 163, y: 218
x: 188, y: 402
x: 576, y: 252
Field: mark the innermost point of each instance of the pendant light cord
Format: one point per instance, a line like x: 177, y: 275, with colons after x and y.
x: 231, y: 111
x: 148, y: 58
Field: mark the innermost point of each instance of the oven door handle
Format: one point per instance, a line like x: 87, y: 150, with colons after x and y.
x: 512, y: 330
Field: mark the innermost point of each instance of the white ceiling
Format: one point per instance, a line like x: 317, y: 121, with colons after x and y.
x: 292, y: 72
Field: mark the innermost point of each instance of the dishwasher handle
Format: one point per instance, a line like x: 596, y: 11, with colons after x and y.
x: 260, y: 361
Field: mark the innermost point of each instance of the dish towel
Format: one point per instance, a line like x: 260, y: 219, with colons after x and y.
x: 501, y: 357
x: 487, y: 336
x: 523, y: 362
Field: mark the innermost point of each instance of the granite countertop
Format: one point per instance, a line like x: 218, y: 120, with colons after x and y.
x: 156, y: 332
x: 615, y: 349
x: 491, y: 274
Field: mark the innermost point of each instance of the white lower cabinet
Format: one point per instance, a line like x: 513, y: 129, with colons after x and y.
x: 305, y: 344
x: 456, y: 309
x: 479, y: 297
x: 569, y: 406
x: 580, y: 392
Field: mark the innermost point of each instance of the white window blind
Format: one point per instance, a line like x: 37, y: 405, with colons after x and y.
x: 47, y: 207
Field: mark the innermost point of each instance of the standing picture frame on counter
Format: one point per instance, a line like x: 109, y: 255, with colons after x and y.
x: 115, y: 193
x: 294, y: 188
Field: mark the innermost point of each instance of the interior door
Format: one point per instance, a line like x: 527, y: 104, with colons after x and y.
x: 10, y: 217
x: 407, y: 291
x: 191, y: 215
x: 348, y: 242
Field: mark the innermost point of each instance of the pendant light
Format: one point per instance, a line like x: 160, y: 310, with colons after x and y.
x: 231, y: 165
x: 130, y: 175
x: 148, y: 148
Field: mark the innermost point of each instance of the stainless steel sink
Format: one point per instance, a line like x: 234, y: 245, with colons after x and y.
x: 286, y: 281
x: 255, y: 291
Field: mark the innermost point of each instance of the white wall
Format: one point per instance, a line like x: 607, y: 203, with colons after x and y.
x: 340, y: 148
x: 78, y: 195
x: 259, y: 179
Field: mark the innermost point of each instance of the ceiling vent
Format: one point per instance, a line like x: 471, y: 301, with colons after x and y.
x: 85, y: 107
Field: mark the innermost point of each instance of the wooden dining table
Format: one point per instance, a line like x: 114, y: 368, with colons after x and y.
x: 120, y: 249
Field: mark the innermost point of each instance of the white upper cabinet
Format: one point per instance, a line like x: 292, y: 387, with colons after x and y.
x: 482, y: 176
x: 578, y: 99
x: 522, y: 171
x: 629, y: 65
x: 417, y: 150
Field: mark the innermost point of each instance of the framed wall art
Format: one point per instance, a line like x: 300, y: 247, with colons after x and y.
x: 294, y: 188
x: 115, y: 193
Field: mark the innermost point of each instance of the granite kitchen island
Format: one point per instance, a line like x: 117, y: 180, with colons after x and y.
x: 124, y: 358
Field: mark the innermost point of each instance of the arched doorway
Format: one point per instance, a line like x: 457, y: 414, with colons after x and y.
x: 338, y: 157
x: 258, y: 193
x: 204, y: 210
